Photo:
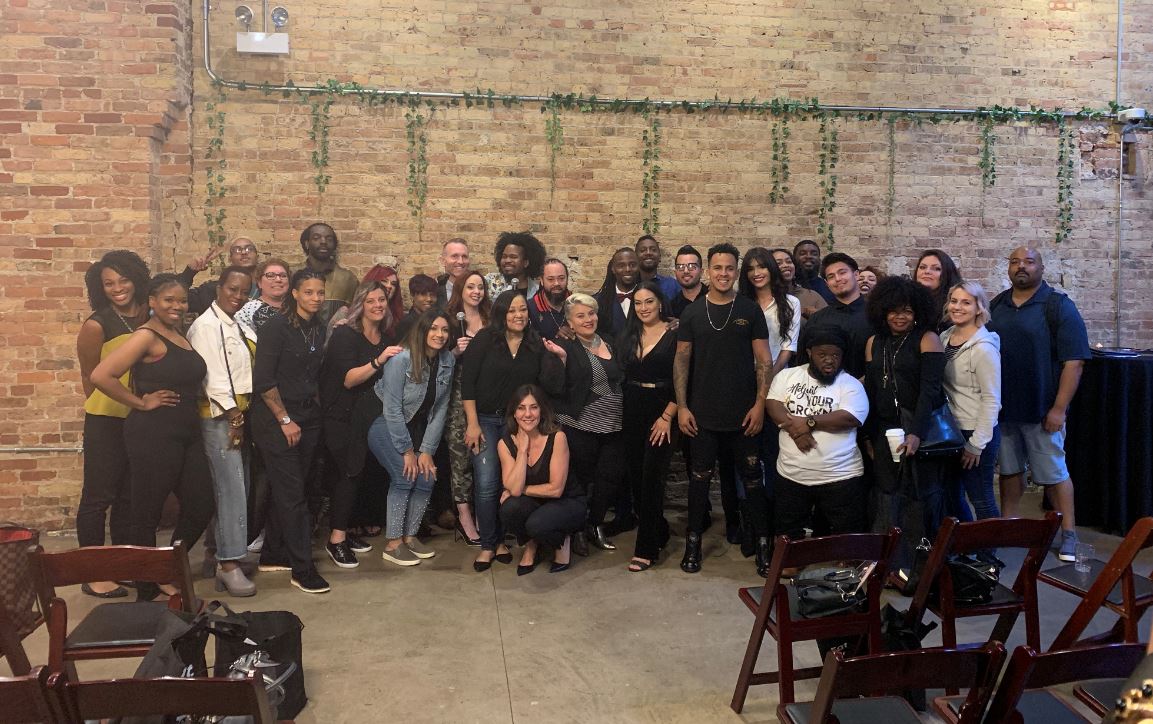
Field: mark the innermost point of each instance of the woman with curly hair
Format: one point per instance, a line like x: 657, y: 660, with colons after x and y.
x: 937, y: 272
x: 903, y: 378
x: 519, y: 256
x: 118, y: 295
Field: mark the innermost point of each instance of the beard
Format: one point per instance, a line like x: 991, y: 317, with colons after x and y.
x: 824, y: 379
x: 556, y: 299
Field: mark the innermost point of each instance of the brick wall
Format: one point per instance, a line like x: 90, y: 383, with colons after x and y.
x: 102, y: 116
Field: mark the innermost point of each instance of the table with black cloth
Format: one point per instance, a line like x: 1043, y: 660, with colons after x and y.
x: 1109, y: 445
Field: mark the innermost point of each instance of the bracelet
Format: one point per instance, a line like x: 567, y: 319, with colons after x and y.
x: 374, y: 363
x: 666, y: 419
x: 237, y: 423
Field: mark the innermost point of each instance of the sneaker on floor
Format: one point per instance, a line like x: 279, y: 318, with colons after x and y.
x: 342, y: 555
x: 401, y: 556
x: 269, y: 565
x: 257, y: 545
x: 311, y: 582
x: 420, y: 550
x: 1068, y: 550
x: 356, y: 545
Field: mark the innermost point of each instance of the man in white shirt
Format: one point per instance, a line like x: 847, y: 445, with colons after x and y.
x: 818, y: 408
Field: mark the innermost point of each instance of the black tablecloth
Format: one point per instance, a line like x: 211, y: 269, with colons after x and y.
x: 1109, y: 446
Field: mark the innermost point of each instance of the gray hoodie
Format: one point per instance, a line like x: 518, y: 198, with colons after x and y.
x: 973, y: 384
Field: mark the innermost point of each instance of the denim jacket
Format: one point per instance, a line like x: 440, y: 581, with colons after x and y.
x: 401, y: 398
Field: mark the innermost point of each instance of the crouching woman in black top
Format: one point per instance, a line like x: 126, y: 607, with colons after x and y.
x: 538, y: 505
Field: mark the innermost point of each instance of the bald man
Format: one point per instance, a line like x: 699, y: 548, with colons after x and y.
x: 1043, y: 348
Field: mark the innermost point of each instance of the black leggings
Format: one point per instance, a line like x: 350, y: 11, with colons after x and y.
x: 107, y: 483
x: 596, y: 466
x: 548, y: 521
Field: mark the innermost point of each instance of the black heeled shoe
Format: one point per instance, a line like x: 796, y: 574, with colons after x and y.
x: 504, y: 558
x: 459, y: 534
x: 559, y: 567
x: 580, y: 544
x: 118, y: 592
x: 523, y: 570
x: 764, y: 556
x: 596, y: 536
x: 691, y: 562
x: 482, y: 566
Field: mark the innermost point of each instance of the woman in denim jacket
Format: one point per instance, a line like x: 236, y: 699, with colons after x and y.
x: 414, y: 390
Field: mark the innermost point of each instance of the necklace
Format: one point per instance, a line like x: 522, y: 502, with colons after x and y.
x: 592, y: 343
x: 889, y: 362
x: 124, y: 321
x: 310, y: 338
x: 732, y: 306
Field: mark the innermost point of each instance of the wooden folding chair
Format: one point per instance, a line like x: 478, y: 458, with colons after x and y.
x: 1113, y: 586
x: 11, y: 646
x: 111, y: 630
x: 26, y: 699
x: 1008, y: 602
x: 878, y: 676
x: 1023, y: 696
x: 775, y: 607
x: 88, y: 700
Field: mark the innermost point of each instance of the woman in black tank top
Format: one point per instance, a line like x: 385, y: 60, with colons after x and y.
x: 162, y: 431
x: 538, y: 504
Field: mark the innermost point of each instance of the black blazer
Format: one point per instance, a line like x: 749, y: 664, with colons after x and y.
x: 579, y: 375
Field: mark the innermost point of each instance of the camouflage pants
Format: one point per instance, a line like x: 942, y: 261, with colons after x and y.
x: 458, y: 453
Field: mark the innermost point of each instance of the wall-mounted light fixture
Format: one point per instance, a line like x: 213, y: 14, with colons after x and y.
x: 262, y: 43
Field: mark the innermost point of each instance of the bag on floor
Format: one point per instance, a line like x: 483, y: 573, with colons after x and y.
x: 276, y: 633
x: 17, y: 594
x: 897, y: 635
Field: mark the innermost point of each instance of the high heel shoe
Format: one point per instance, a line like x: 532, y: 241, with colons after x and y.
x: 505, y: 557
x: 235, y: 582
x: 558, y: 567
x: 523, y: 570
x: 596, y: 536
x: 459, y: 534
x: 580, y: 545
x: 482, y: 566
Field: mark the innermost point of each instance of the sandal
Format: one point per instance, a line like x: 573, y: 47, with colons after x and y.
x: 637, y: 565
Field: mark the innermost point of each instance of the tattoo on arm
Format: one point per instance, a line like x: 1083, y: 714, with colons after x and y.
x: 764, y: 377
x: 271, y: 398
x: 681, y: 373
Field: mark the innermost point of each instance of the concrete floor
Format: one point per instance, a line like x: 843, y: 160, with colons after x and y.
x: 441, y: 643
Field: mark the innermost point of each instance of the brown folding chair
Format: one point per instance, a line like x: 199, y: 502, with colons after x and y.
x: 1023, y: 695
x: 89, y: 700
x: 1114, y: 586
x: 111, y: 630
x: 1008, y: 602
x: 878, y: 676
x: 775, y: 607
x: 26, y: 699
x: 11, y: 646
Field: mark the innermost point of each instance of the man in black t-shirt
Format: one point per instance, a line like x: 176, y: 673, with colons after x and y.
x: 846, y: 312
x: 722, y: 343
x: 688, y: 266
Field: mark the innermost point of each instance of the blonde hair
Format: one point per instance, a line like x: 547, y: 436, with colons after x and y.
x: 581, y: 299
x: 977, y: 292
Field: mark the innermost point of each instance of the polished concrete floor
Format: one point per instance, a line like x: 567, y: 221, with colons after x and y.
x: 441, y: 643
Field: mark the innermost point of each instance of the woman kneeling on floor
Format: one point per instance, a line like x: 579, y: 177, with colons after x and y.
x: 538, y: 505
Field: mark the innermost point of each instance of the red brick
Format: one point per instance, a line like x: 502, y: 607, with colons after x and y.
x: 78, y: 129
x: 49, y: 190
x: 103, y: 118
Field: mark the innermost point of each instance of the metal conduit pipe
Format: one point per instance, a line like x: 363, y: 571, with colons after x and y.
x: 1120, y: 188
x: 30, y: 449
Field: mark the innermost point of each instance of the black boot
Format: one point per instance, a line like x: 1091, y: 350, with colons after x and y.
x: 596, y: 535
x: 691, y: 562
x: 580, y: 545
x: 748, y: 538
x: 764, y: 556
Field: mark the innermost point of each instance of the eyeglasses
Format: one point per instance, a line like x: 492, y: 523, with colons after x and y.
x: 274, y: 275
x: 691, y: 266
x: 246, y: 249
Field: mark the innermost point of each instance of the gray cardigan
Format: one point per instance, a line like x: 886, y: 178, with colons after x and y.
x: 973, y: 384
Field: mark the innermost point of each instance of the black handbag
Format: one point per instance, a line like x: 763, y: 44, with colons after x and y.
x: 943, y: 436
x: 824, y: 591
x: 974, y: 580
x: 276, y: 633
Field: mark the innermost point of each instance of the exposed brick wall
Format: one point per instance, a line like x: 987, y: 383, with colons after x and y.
x: 102, y: 147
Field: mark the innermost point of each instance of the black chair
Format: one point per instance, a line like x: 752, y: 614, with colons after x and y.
x: 845, y: 679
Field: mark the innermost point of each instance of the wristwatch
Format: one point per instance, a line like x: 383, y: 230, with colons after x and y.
x: 811, y: 422
x: 286, y: 420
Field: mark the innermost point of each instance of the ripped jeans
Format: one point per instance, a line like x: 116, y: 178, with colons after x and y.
x: 728, y: 447
x: 230, y: 482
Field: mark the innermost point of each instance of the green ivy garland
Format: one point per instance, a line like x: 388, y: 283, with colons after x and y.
x: 988, y: 160
x: 830, y: 153
x: 554, y: 135
x: 320, y: 106
x: 780, y: 160
x: 214, y: 188
x: 651, y: 181
x: 891, y: 191
x: 1066, y: 156
x: 415, y: 124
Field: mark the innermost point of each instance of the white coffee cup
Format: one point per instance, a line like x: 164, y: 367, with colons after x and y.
x: 896, y: 438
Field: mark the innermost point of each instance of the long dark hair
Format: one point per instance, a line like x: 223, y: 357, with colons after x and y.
x: 609, y: 285
x: 127, y: 264
x: 547, y: 424
x: 950, y: 277
x: 894, y: 293
x: 416, y: 340
x: 456, y: 301
x: 634, y: 327
x: 288, y: 308
x: 764, y: 257
x: 498, y: 322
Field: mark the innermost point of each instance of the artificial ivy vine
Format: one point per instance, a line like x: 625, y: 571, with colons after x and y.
x: 651, y: 182
x: 214, y: 189
x: 1066, y: 155
x: 320, y: 105
x: 830, y: 153
x: 554, y: 134
x: 414, y: 130
x: 988, y: 160
x: 891, y: 190
x: 780, y: 160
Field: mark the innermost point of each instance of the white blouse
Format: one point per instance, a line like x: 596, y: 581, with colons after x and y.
x: 790, y: 341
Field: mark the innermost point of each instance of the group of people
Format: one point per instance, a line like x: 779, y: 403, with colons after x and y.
x: 516, y: 408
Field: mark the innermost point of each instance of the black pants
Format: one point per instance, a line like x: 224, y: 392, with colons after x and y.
x: 842, y: 504
x: 548, y: 521
x: 258, y: 488
x: 648, y: 467
x: 166, y: 455
x: 288, y: 532
x: 596, y: 465
x: 730, y: 448
x: 107, y: 483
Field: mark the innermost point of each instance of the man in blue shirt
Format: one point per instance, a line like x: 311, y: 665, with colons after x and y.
x: 1043, y: 348
x: 649, y: 255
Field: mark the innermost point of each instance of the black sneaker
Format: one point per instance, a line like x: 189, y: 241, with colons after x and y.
x: 356, y: 545
x: 342, y: 555
x: 311, y: 582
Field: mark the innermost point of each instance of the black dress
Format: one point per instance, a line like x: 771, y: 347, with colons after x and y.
x: 548, y: 521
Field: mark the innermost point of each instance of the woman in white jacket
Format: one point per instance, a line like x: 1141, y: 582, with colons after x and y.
x: 973, y: 385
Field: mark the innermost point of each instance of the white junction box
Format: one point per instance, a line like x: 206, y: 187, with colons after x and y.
x: 262, y: 43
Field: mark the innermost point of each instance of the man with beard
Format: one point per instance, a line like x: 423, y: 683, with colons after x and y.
x: 649, y: 256
x: 818, y: 407
x: 808, y: 256
x: 846, y: 312
x: 319, y: 244
x: 615, y: 297
x: 519, y: 256
x: 689, y: 268
x: 546, y: 308
x: 241, y: 254
x: 454, y: 257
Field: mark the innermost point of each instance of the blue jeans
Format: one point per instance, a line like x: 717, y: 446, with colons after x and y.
x: 977, y: 483
x: 407, y: 499
x: 487, y: 485
x: 230, y: 483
